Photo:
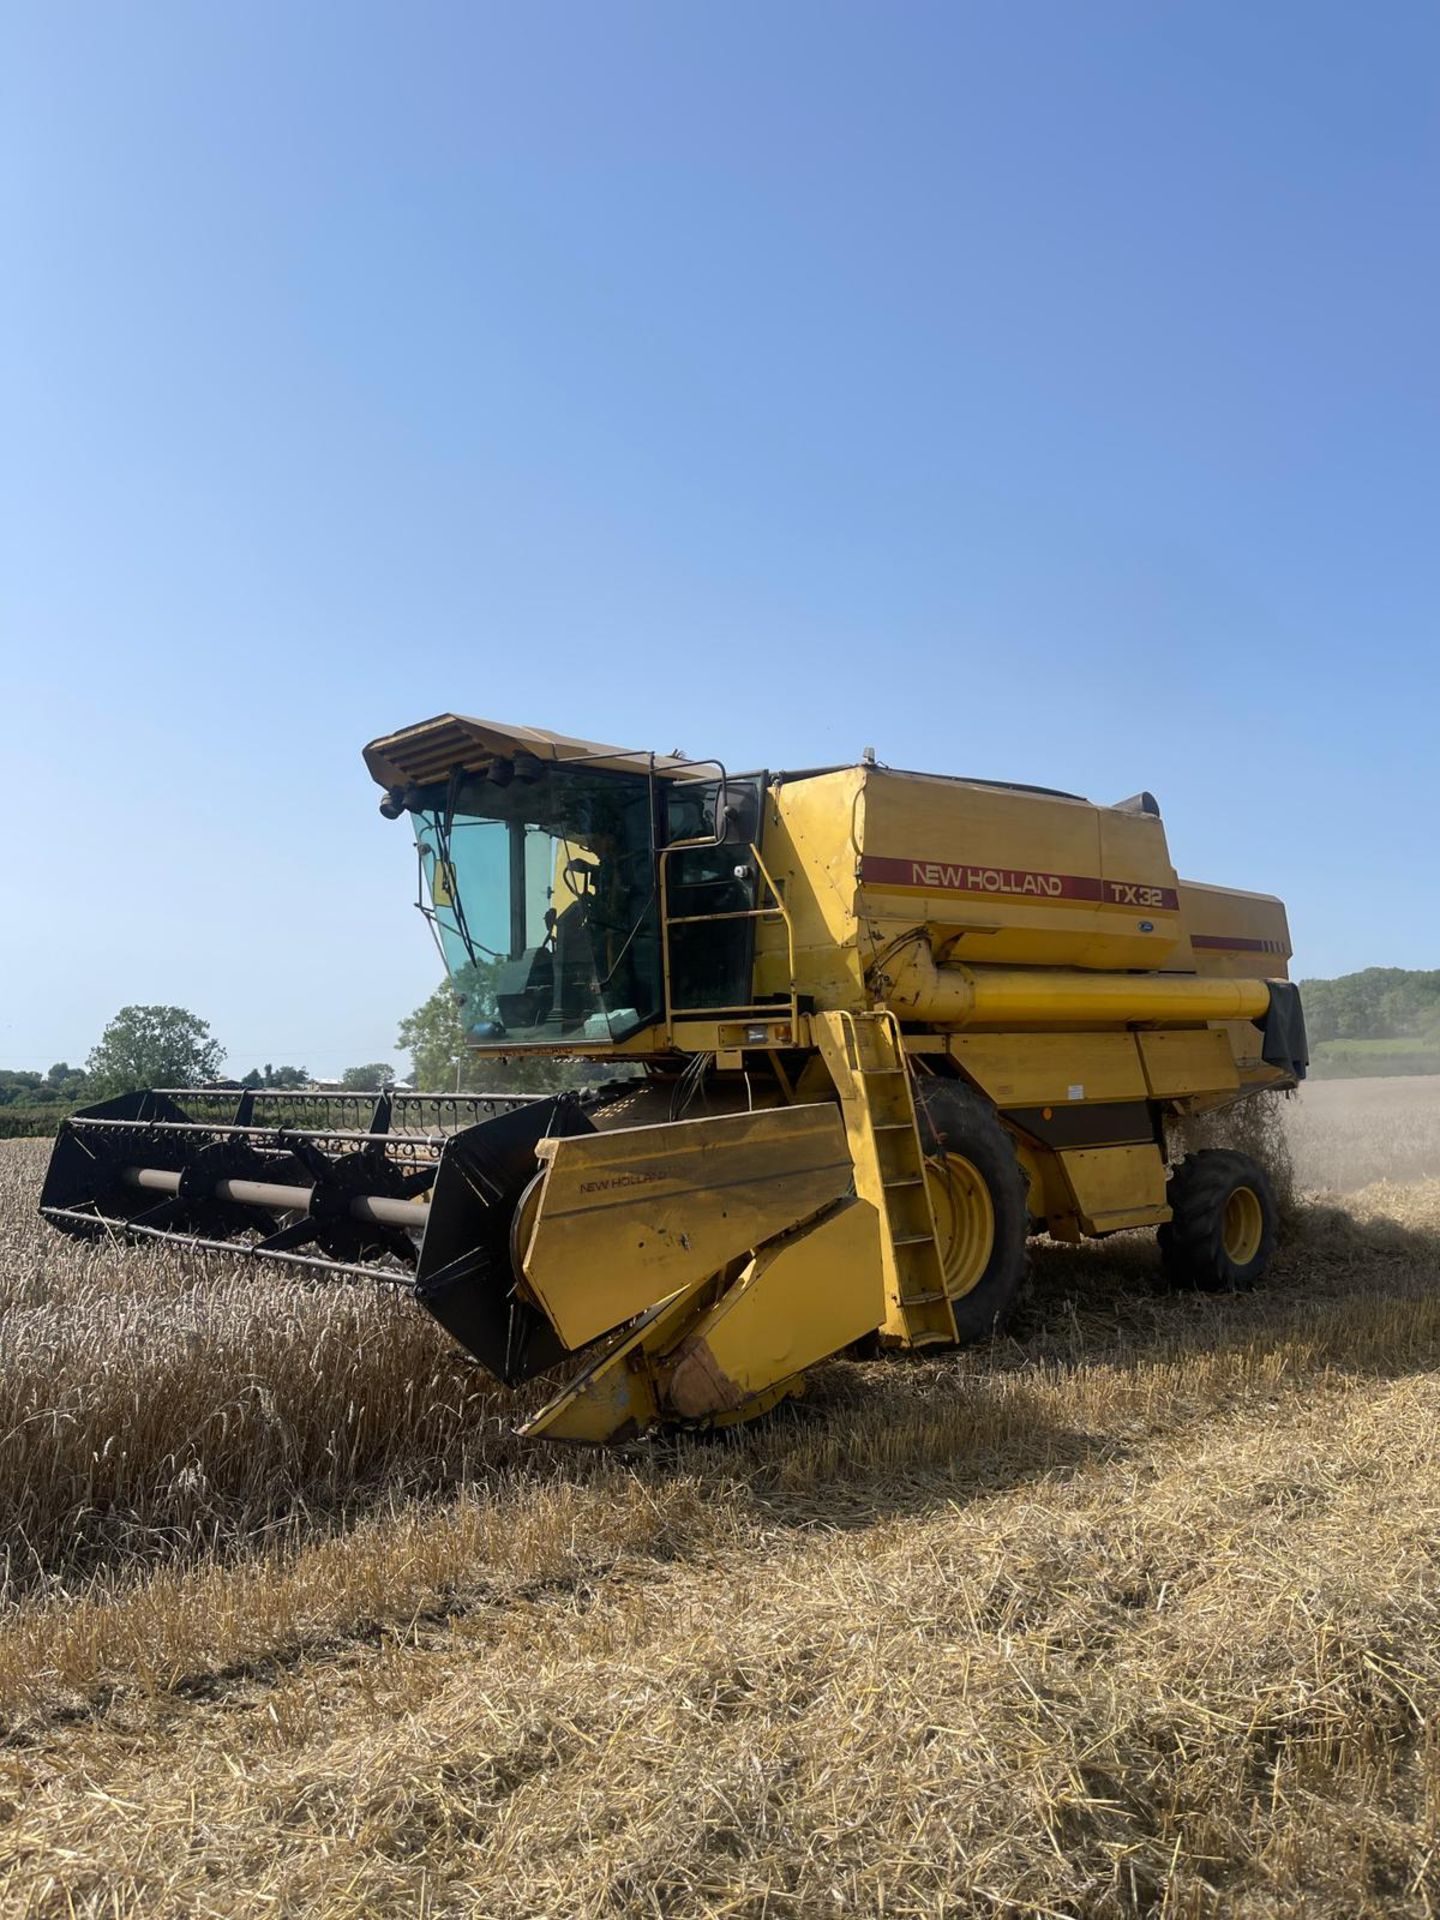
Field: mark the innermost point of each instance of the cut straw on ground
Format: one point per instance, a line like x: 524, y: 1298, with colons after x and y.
x: 1133, y: 1613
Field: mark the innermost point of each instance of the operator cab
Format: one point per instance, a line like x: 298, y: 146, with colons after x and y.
x: 542, y: 894
x: 578, y: 893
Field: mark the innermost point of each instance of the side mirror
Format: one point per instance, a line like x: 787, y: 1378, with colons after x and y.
x: 739, y: 822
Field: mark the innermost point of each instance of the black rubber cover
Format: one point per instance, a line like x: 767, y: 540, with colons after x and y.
x: 1284, y: 1042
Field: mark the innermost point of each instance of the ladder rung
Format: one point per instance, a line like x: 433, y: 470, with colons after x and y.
x: 912, y: 1239
x: 890, y: 1126
x: 875, y: 1073
x: 913, y: 1180
x: 921, y: 1299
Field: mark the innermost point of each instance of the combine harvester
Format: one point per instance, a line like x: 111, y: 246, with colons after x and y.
x: 871, y: 1029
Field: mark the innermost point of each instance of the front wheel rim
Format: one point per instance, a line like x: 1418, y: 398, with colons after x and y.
x: 964, y: 1221
x: 1243, y: 1227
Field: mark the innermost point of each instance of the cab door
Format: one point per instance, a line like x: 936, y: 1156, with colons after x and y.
x: 711, y: 892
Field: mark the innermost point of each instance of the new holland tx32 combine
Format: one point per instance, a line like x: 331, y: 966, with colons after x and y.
x: 870, y: 1030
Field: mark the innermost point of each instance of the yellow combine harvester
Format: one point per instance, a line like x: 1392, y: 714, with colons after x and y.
x: 879, y: 1028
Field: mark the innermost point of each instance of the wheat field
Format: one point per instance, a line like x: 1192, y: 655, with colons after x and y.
x: 1135, y: 1612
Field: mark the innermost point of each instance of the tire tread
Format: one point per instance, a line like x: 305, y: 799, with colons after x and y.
x: 955, y: 1118
x: 1192, y: 1243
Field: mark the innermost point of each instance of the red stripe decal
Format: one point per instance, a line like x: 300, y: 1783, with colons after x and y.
x: 1236, y: 943
x: 1015, y: 883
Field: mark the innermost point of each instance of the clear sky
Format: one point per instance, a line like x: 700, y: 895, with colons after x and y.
x: 1033, y: 389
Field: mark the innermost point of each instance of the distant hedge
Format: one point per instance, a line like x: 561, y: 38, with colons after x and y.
x: 1367, y: 1059
x: 31, y: 1123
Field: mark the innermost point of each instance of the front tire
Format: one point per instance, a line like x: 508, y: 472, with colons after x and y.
x: 1223, y: 1229
x: 979, y: 1196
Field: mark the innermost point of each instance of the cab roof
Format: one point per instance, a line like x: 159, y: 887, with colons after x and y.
x: 430, y: 750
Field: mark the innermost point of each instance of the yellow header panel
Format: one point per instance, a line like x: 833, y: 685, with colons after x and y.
x: 628, y: 1217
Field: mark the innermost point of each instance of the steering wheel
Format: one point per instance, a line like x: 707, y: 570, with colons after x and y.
x: 582, y: 872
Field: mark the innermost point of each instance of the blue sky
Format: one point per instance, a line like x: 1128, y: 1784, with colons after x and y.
x: 1030, y: 389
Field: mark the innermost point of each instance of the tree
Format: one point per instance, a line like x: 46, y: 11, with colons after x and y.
x: 153, y: 1047
x: 287, y: 1076
x: 434, y: 1037
x: 378, y: 1073
x: 268, y: 1076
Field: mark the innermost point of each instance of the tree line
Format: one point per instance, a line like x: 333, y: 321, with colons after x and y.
x: 158, y: 1046
x: 147, y: 1046
x: 1379, y: 1003
x: 141, y: 1047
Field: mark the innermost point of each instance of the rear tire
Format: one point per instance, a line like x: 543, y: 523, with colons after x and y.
x: 1222, y: 1233
x: 980, y: 1197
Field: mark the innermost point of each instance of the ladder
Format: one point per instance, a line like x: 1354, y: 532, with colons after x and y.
x: 866, y: 1058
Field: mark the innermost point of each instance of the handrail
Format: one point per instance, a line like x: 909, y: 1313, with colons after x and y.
x: 755, y: 1009
x: 789, y: 926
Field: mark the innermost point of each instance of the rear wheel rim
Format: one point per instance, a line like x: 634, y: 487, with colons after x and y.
x: 964, y: 1221
x: 1243, y: 1227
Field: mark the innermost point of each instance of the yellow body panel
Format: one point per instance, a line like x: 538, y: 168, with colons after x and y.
x: 1116, y: 1186
x: 630, y: 1216
x: 995, y: 878
x: 1042, y: 1069
x: 809, y: 848
x: 1234, y: 933
x: 1049, y: 1198
x: 801, y: 1298
x: 713, y: 1353
x: 1016, y: 878
x: 1183, y: 1062
x: 614, y: 1396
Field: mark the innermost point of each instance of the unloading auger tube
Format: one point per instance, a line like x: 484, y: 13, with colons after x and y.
x: 862, y: 1033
